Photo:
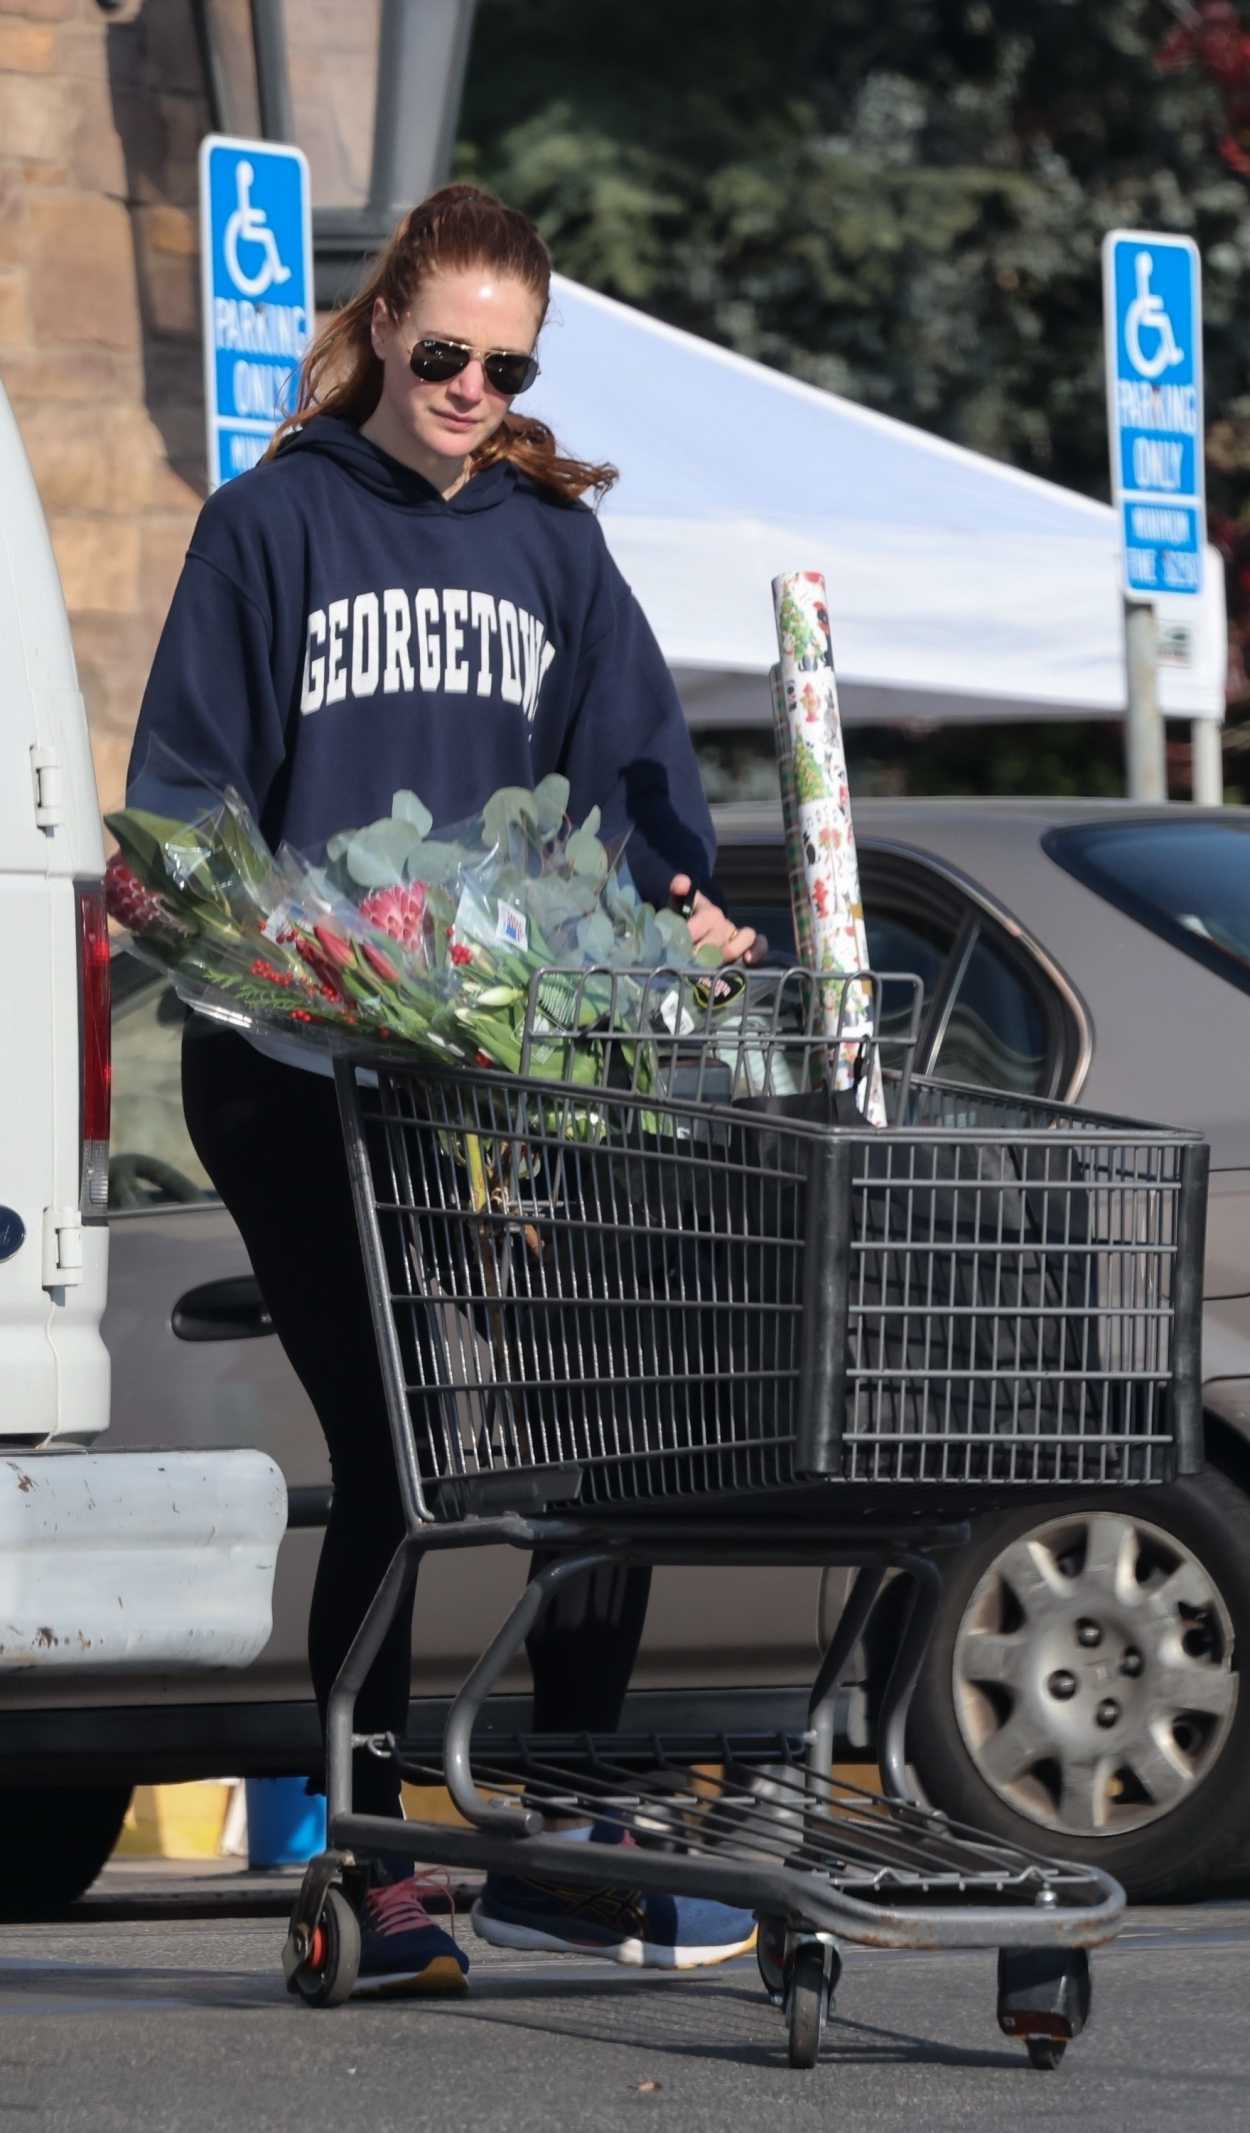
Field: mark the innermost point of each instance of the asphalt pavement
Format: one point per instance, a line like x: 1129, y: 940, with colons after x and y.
x: 159, y: 2004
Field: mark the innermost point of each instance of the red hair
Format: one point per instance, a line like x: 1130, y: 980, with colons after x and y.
x: 457, y: 227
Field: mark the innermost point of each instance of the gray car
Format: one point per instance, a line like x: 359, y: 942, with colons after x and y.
x: 1083, y: 1693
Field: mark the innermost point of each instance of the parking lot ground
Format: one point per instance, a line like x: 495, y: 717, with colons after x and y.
x: 130, y: 1890
x: 181, y: 2022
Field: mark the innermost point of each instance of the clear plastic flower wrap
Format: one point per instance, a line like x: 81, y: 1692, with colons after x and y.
x: 396, y: 933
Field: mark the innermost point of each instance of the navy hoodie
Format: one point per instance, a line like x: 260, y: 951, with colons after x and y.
x: 340, y: 631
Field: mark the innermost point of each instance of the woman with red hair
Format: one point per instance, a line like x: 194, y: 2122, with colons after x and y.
x: 410, y: 592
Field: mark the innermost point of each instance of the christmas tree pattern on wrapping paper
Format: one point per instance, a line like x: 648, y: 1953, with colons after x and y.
x: 810, y: 781
x: 797, y: 635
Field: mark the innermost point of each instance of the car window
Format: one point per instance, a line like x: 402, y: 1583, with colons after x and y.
x: 904, y: 943
x: 1189, y: 882
x: 151, y: 1160
x: 996, y: 1034
x: 990, y: 1013
x: 900, y: 938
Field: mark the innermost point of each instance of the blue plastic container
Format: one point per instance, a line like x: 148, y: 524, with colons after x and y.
x: 285, y: 1823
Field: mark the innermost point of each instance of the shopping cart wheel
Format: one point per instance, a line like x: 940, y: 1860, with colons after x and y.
x: 770, y: 1955
x: 811, y: 1975
x: 328, y: 1973
x: 1044, y: 1998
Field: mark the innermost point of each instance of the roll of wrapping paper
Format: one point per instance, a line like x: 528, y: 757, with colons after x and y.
x: 824, y: 870
x: 800, y: 908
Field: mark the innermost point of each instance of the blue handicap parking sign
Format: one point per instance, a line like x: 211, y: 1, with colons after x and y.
x: 256, y: 263
x: 1152, y: 307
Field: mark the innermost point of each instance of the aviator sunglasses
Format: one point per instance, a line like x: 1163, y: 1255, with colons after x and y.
x: 434, y: 361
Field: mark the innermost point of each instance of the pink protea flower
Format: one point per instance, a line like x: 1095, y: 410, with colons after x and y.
x: 399, y: 911
x: 136, y: 907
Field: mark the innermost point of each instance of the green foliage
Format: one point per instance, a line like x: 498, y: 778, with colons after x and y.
x: 900, y: 200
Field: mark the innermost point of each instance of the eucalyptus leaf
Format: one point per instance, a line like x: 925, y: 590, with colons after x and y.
x: 376, y: 856
x: 675, y: 934
x: 586, y: 855
x: 590, y: 827
x: 596, y: 937
x: 336, y: 846
x: 555, y: 902
x: 430, y: 860
x: 651, y: 945
x: 621, y: 902
x: 551, y: 802
x: 512, y: 807
x: 408, y: 807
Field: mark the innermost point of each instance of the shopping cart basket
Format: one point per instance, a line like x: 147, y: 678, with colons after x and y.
x: 664, y: 1297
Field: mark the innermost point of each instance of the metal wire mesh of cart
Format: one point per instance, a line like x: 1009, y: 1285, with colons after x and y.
x: 684, y: 1267
x: 1024, y: 1295
x: 704, y: 1797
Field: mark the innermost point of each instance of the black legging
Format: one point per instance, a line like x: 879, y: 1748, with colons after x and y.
x: 269, y: 1137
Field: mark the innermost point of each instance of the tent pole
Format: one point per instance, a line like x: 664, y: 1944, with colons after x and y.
x: 1207, y: 777
x: 1145, y: 775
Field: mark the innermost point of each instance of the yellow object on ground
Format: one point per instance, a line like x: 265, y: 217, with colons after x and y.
x: 176, y: 1821
x: 431, y: 1803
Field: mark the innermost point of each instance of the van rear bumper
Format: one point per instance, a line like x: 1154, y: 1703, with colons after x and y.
x: 137, y: 1562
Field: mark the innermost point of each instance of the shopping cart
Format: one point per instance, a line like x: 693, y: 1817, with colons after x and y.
x: 664, y: 1298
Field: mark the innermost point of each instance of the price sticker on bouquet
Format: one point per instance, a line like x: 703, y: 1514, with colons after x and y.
x: 511, y: 929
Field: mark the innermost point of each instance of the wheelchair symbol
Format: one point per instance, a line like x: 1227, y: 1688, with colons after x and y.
x: 247, y: 226
x: 1147, y: 315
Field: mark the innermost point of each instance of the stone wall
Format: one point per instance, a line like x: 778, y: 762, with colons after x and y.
x: 101, y: 115
x: 100, y: 123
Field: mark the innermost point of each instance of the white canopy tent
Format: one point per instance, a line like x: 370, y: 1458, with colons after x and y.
x: 958, y: 588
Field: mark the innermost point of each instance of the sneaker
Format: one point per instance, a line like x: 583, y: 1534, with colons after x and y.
x: 621, y: 1925
x: 403, y: 1950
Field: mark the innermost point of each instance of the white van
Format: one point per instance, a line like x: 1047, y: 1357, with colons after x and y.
x: 123, y: 1562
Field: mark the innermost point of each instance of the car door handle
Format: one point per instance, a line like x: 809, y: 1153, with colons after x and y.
x: 229, y: 1310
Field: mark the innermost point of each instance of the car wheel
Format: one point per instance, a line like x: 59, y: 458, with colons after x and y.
x: 1081, y: 1695
x: 56, y: 1841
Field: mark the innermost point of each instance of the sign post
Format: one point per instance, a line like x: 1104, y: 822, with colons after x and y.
x: 257, y: 277
x: 1152, y: 324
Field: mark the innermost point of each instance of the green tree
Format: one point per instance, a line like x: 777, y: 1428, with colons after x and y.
x: 901, y: 200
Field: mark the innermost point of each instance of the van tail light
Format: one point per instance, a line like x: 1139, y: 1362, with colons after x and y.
x: 95, y: 1047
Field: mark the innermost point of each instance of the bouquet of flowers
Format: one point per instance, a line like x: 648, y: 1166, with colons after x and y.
x: 398, y: 934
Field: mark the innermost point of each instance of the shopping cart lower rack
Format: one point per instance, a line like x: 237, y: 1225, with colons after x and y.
x: 663, y: 1297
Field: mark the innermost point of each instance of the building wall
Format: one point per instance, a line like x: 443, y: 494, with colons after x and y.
x: 101, y: 117
x: 100, y: 123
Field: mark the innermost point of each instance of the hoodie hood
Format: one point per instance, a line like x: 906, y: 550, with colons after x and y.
x: 388, y: 479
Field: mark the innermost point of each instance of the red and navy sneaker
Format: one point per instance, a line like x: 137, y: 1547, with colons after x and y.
x: 403, y: 1950
x: 621, y: 1925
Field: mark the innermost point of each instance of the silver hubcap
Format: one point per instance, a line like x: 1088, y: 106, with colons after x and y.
x: 1093, y: 1675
